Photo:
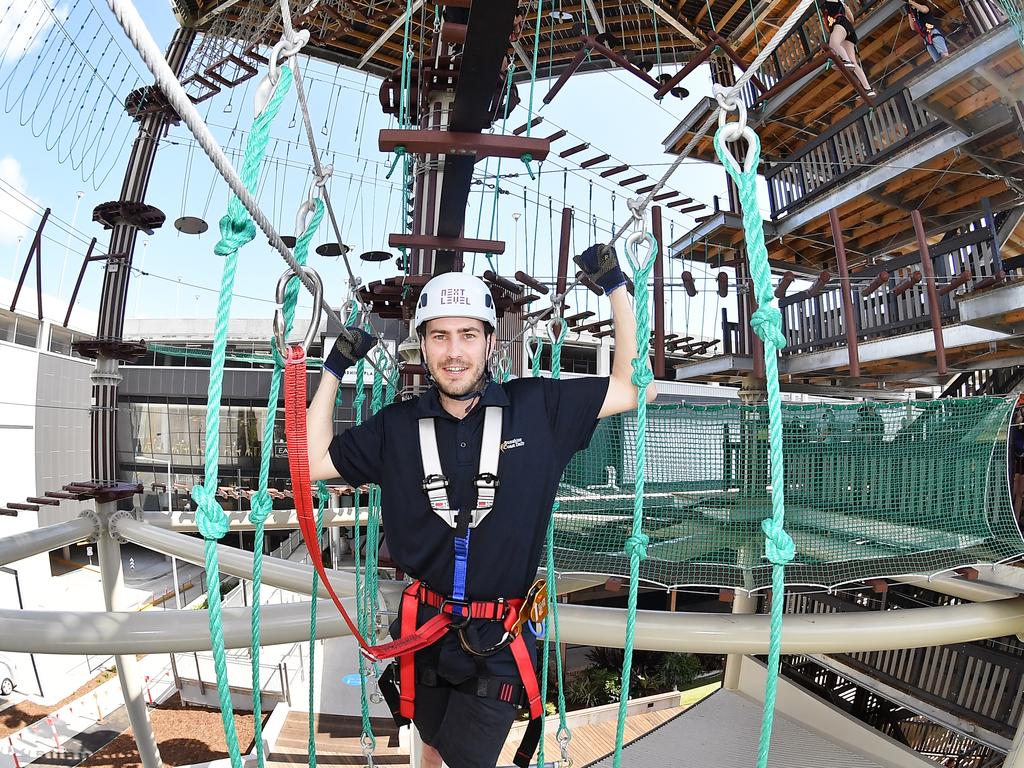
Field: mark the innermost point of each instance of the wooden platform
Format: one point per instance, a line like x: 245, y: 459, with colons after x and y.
x: 590, y: 743
x: 337, y: 740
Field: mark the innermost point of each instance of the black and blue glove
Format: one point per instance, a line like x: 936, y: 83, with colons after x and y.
x: 601, y: 265
x: 349, y: 349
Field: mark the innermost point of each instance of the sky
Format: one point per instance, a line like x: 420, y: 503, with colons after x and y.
x: 65, y: 68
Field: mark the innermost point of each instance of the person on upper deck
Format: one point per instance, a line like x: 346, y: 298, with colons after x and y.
x: 842, y: 39
x: 922, y: 20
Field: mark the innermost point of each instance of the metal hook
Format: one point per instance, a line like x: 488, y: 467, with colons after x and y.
x: 557, y: 336
x: 632, y: 252
x: 306, y: 210
x: 314, y: 322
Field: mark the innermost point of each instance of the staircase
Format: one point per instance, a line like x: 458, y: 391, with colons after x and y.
x: 337, y: 742
x: 997, y: 381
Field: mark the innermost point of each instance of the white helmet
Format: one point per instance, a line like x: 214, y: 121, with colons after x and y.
x: 455, y: 294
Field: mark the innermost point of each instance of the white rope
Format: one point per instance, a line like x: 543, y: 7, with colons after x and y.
x: 300, y: 90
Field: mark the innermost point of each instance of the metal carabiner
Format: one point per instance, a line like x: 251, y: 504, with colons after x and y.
x: 314, y: 322
x: 632, y: 241
x: 556, y: 336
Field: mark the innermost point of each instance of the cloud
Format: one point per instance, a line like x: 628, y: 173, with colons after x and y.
x: 23, y: 26
x: 16, y: 214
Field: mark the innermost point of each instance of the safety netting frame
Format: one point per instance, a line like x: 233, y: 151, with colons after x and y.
x: 914, y: 488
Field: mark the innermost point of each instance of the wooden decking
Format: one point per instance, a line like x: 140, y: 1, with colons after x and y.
x: 591, y: 742
x: 337, y: 740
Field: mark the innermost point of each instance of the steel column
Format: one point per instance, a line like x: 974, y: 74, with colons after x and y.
x: 849, y: 323
x: 112, y: 579
x: 116, y: 276
x: 928, y: 270
x: 659, y: 295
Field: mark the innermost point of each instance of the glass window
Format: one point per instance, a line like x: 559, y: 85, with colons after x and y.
x: 60, y: 340
x: 26, y: 331
x: 6, y: 326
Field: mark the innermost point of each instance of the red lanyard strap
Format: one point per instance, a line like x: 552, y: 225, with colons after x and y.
x: 298, y: 463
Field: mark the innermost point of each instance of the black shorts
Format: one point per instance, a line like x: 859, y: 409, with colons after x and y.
x: 845, y: 23
x: 468, y: 730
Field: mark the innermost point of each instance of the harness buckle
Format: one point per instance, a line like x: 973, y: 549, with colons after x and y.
x: 459, y: 610
x: 435, y: 483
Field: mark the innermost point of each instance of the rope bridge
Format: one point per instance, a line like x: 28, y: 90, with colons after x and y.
x: 871, y: 489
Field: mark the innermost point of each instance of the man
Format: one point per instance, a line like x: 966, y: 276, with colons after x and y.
x: 470, y: 535
x: 922, y: 21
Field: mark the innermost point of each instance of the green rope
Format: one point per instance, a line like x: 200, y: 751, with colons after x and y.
x: 753, y: 17
x: 497, y: 173
x: 711, y: 17
x: 262, y: 504
x: 527, y: 158
x: 322, y: 496
x: 564, y: 734
x: 767, y: 324
x: 821, y: 23
x: 1015, y: 13
x: 636, y: 544
x: 236, y: 229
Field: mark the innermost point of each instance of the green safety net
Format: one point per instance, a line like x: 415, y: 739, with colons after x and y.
x: 1014, y: 10
x: 872, y: 490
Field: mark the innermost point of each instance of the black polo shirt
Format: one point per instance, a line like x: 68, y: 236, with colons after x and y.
x: 544, y: 422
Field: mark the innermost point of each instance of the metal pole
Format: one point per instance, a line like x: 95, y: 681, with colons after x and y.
x: 112, y: 579
x: 174, y: 577
x: 114, y: 294
x: 928, y: 270
x: 1015, y: 758
x: 659, y: 295
x: 849, y: 322
x: 742, y: 603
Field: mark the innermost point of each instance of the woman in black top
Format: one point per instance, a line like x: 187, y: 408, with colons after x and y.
x: 843, y: 39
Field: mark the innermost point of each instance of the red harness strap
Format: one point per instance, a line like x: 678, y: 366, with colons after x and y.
x: 413, y: 638
x: 298, y: 463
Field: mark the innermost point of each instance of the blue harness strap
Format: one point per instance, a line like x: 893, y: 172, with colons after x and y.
x: 461, y: 564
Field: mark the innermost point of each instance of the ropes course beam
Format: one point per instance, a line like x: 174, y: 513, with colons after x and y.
x: 489, y: 27
x: 121, y: 633
x: 598, y: 21
x: 454, y: 244
x: 17, y: 546
x: 478, y: 145
x: 387, y: 34
x: 672, y: 21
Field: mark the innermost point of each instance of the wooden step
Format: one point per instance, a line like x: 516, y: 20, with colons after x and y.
x: 457, y: 244
x: 21, y: 506
x: 480, y: 145
x: 42, y: 501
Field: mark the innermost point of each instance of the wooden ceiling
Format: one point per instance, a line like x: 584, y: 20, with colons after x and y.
x: 663, y: 32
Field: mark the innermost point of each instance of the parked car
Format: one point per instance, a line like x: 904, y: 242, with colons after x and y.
x: 7, y: 677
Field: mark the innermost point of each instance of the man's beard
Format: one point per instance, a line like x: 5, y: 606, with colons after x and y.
x: 462, y: 388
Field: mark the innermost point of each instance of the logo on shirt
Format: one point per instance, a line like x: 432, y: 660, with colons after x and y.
x: 515, y: 442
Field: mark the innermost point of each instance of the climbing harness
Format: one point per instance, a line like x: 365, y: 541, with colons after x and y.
x: 454, y: 612
x: 435, y: 484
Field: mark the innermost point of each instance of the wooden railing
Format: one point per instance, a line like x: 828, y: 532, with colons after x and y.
x: 899, y: 304
x: 801, y: 45
x: 978, y: 682
x: 860, y: 140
